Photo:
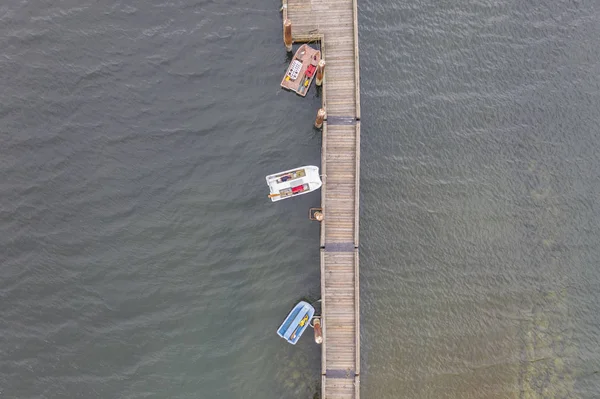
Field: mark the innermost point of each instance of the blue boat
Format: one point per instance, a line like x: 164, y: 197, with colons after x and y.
x: 296, y: 322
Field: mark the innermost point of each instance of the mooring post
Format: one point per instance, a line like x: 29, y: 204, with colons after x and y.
x: 318, y: 333
x: 320, y: 118
x: 287, y: 34
x: 319, y: 216
x: 320, y: 72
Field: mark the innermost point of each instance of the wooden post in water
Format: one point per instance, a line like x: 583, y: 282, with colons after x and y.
x: 287, y: 34
x: 319, y: 216
x: 318, y: 333
x: 320, y: 72
x: 320, y: 118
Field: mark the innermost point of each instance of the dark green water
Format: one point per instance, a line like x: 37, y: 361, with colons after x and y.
x: 140, y: 257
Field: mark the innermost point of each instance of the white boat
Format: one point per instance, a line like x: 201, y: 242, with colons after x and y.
x: 293, y: 182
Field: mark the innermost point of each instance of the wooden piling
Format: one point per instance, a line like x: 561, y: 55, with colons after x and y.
x: 287, y: 34
x: 318, y: 332
x: 320, y: 72
x: 320, y: 118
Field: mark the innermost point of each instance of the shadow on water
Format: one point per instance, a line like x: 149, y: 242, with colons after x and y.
x: 547, y: 335
x: 300, y: 378
x: 317, y: 394
x: 546, y: 349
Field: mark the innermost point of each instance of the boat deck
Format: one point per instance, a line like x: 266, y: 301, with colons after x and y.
x: 297, y: 79
x: 334, y: 23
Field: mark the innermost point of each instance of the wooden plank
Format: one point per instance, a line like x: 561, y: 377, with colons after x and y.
x: 340, y: 106
x: 357, y: 311
x: 323, y: 315
x: 324, y: 84
x: 357, y: 185
x: 284, y: 9
x: 356, y: 60
x: 324, y: 186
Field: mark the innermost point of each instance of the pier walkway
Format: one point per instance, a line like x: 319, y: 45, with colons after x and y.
x: 334, y: 24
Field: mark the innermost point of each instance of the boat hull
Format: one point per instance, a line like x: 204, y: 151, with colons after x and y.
x: 296, y: 322
x: 302, y: 70
x: 293, y: 182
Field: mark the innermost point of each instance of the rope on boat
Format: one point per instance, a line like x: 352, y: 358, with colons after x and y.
x: 311, y: 323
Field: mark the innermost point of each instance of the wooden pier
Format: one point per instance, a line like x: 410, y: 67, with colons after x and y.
x: 333, y: 23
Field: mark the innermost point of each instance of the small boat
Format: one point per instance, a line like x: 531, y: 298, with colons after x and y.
x: 296, y: 322
x: 302, y: 70
x: 293, y: 182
